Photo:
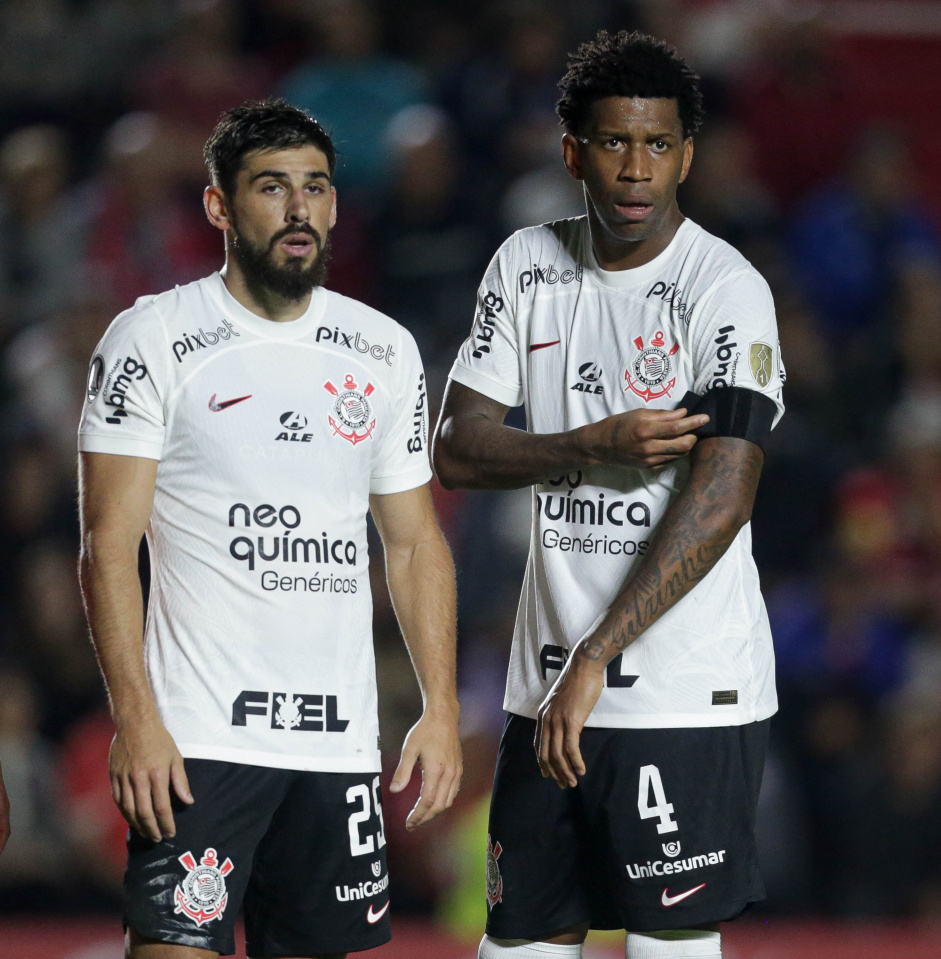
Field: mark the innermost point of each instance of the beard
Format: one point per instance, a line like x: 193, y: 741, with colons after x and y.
x: 291, y: 280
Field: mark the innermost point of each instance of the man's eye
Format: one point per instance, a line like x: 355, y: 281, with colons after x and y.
x: 271, y: 188
x: 660, y: 145
x: 613, y: 143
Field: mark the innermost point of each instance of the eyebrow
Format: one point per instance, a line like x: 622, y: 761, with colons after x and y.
x: 623, y: 135
x: 282, y: 175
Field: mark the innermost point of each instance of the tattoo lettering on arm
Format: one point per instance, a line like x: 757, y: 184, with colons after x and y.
x: 695, y: 532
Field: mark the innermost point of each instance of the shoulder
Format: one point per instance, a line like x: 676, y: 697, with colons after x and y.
x: 719, y: 266
x: 374, y: 332
x: 546, y: 239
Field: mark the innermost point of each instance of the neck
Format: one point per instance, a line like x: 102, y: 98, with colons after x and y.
x: 614, y: 253
x: 259, y: 299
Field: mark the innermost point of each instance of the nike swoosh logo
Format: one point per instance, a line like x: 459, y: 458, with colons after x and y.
x: 376, y: 916
x: 541, y: 346
x: 217, y: 407
x: 669, y: 900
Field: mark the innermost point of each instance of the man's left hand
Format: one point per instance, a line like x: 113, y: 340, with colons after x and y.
x: 434, y: 744
x: 563, y: 715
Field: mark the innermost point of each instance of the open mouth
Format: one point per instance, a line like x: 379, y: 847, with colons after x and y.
x: 634, y: 212
x: 298, y: 244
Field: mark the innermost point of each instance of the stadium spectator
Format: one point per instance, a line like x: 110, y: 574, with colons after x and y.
x: 354, y: 89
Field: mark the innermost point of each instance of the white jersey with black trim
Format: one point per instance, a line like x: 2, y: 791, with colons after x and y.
x: 270, y: 439
x: 575, y: 344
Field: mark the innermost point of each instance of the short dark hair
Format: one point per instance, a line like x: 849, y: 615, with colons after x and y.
x: 628, y: 65
x: 271, y: 124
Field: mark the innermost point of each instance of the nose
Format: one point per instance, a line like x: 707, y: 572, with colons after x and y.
x: 297, y: 210
x: 636, y: 164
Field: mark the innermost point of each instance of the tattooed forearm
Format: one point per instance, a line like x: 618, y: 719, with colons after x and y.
x: 698, y: 528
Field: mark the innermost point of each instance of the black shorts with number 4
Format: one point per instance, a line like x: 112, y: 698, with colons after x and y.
x: 658, y: 834
x: 303, y: 851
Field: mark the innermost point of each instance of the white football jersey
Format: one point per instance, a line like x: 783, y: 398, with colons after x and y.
x: 270, y: 438
x: 575, y: 344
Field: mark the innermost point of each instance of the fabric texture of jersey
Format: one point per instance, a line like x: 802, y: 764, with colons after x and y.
x: 270, y: 439
x: 575, y: 344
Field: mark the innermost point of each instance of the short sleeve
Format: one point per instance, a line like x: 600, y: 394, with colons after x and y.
x: 489, y: 360
x: 734, y: 339
x: 124, y: 401
x: 401, y: 461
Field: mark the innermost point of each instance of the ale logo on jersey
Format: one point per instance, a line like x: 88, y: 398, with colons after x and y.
x: 202, y: 894
x: 590, y: 373
x: 652, y: 369
x: 352, y: 410
x: 494, y: 878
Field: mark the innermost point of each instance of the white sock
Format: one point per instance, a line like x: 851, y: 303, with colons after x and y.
x: 674, y: 944
x: 524, y: 949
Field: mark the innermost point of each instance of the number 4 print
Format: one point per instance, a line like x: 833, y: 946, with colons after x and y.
x: 650, y: 779
x: 360, y: 794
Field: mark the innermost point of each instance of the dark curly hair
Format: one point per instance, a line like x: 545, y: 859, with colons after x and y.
x: 271, y: 124
x: 628, y: 65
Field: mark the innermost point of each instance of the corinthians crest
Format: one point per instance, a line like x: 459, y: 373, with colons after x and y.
x: 202, y: 894
x: 352, y: 410
x: 494, y: 879
x: 652, y: 369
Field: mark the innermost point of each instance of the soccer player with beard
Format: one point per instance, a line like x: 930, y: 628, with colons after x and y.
x: 246, y: 423
x: 645, y: 352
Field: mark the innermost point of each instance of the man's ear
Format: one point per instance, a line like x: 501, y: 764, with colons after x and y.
x: 571, y: 154
x: 687, y: 158
x: 217, y: 207
x: 333, y: 207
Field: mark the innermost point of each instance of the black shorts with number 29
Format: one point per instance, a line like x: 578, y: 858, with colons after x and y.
x: 303, y: 851
x: 658, y: 834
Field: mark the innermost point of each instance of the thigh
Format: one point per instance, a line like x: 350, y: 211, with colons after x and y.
x: 319, y: 884
x: 538, y: 864
x: 673, y: 813
x: 187, y: 890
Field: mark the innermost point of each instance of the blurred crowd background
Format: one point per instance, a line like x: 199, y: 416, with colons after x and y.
x: 819, y: 160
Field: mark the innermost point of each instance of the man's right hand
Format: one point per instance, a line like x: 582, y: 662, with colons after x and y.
x: 144, y: 764
x: 642, y: 438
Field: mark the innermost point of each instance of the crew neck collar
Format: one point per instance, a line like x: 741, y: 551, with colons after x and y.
x: 630, y: 277
x: 292, y: 329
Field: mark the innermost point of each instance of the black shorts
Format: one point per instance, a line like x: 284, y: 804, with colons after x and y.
x: 658, y: 834
x: 304, y: 851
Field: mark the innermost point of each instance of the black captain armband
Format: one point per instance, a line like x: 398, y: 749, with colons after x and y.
x: 733, y: 411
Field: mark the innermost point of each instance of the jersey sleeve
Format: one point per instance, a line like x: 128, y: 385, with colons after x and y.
x: 734, y: 339
x: 402, y: 462
x: 124, y: 409
x: 489, y: 360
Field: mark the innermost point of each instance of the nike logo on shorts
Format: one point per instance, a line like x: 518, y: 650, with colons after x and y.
x: 669, y: 900
x: 373, y: 917
x: 541, y: 346
x: 225, y: 404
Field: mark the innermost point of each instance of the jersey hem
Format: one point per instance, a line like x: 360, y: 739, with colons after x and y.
x: 251, y: 757
x: 400, y: 482
x: 119, y: 446
x: 737, y: 717
x: 484, y: 384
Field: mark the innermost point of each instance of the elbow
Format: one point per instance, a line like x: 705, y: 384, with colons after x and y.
x: 448, y: 469
x: 733, y: 520
x: 453, y: 471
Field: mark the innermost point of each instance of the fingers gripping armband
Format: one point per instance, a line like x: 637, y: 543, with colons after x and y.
x: 733, y: 411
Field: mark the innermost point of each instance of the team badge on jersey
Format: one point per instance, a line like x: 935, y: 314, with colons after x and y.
x: 761, y: 360
x: 202, y: 894
x: 652, y: 369
x: 494, y: 879
x: 352, y: 410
